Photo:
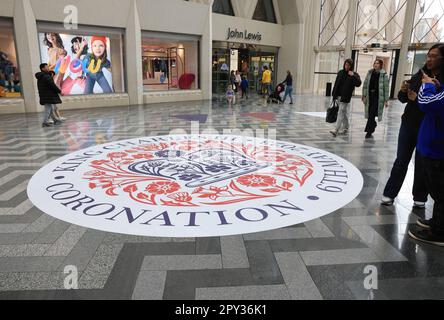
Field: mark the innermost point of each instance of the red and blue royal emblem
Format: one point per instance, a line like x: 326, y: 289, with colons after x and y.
x: 191, y: 173
x: 194, y: 185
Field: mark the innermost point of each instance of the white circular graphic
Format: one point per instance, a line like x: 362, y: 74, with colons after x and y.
x: 194, y: 186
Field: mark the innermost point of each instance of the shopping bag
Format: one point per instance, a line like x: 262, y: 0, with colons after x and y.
x: 332, y: 112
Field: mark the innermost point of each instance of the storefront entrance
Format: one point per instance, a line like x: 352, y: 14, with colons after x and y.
x: 170, y: 62
x: 249, y: 60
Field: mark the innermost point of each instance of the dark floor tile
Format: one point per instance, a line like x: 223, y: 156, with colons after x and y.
x: 208, y: 246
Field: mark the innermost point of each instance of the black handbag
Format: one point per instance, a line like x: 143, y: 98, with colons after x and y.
x: 332, y: 112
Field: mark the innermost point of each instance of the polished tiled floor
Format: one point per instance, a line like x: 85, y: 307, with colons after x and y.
x: 321, y: 259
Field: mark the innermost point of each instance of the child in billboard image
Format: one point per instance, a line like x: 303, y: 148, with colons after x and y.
x: 79, y: 49
x: 96, y: 62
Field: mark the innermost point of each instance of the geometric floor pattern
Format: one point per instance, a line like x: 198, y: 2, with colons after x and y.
x: 321, y: 259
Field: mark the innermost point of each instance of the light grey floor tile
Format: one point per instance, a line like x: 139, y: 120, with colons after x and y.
x: 378, y: 220
x: 161, y: 263
x: 272, y: 292
x: 64, y: 245
x: 19, y: 210
x: 123, y: 238
x: 280, y: 234
x: 12, y: 228
x: 29, y: 264
x: 39, y: 225
x: 234, y: 254
x: 297, y: 278
x: 318, y: 229
x: 150, y: 285
x: 23, y: 250
x: 380, y: 246
x: 14, y: 281
x: 5, y: 196
x: 341, y: 256
x: 104, y: 259
x: 93, y: 280
x: 84, y: 250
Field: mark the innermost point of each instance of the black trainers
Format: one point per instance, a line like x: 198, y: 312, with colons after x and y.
x: 58, y: 122
x: 369, y: 135
x: 423, y: 223
x: 334, y: 133
x: 386, y: 201
x: 427, y: 236
x: 419, y: 205
x: 46, y: 124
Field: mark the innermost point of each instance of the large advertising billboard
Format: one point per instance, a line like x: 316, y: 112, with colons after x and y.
x: 81, y: 64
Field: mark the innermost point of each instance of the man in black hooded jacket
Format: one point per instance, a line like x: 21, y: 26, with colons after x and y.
x: 49, y: 93
x: 346, y: 82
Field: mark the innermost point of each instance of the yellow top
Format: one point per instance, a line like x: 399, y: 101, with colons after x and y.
x: 266, y: 76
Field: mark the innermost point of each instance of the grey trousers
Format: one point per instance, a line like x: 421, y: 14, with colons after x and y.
x: 343, y: 116
x: 49, y: 112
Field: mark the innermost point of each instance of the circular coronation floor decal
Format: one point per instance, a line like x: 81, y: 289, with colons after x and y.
x: 194, y: 186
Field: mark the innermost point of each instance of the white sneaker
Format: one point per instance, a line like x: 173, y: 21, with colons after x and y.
x: 419, y: 205
x: 50, y: 121
x: 386, y: 201
x: 62, y: 119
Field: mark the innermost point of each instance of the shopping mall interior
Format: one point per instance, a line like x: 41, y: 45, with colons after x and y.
x: 183, y: 150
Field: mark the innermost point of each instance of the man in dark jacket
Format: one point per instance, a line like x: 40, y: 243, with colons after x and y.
x: 345, y: 84
x: 49, y: 93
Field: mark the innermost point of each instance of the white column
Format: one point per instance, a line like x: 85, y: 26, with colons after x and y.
x: 27, y: 52
x: 351, y: 27
x: 206, y: 56
x: 309, y: 34
x: 406, y: 39
x: 133, y: 56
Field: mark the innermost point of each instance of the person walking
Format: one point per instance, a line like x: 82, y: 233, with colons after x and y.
x: 266, y: 81
x: 431, y: 148
x: 346, y: 82
x: 233, y: 81
x: 49, y: 94
x: 375, y: 96
x: 238, y: 80
x: 409, y: 130
x: 289, y: 87
x: 230, y: 96
x: 244, y: 87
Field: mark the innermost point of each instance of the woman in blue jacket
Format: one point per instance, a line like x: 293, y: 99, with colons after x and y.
x: 431, y: 149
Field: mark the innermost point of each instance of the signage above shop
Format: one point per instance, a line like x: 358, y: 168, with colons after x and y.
x: 245, y: 35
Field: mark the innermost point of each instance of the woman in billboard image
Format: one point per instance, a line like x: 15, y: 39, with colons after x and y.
x: 56, y: 50
x: 99, y: 54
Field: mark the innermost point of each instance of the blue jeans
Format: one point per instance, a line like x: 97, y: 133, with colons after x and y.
x: 289, y: 92
x: 98, y: 77
x: 406, y: 145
